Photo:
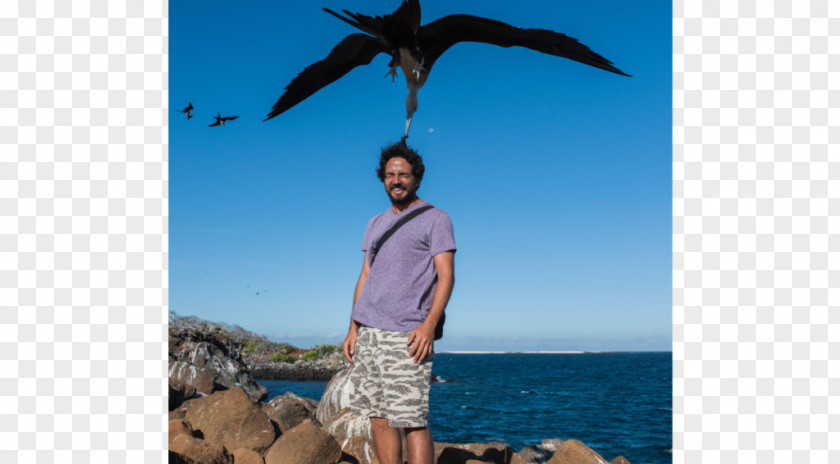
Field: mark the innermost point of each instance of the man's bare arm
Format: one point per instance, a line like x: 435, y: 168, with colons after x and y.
x: 362, y: 278
x: 422, y: 339
x: 349, y: 344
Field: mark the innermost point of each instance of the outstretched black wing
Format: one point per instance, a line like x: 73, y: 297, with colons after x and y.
x: 354, y: 50
x: 436, y: 37
x: 399, y: 25
x: 218, y: 122
x: 229, y: 118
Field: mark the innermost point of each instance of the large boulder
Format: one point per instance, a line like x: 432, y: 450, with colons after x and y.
x: 175, y: 458
x: 229, y: 418
x: 197, y: 451
x: 178, y: 393
x: 178, y: 427
x: 535, y: 454
x: 450, y: 453
x: 541, y: 453
x: 336, y: 396
x: 186, y: 448
x: 334, y: 410
x: 246, y: 456
x: 550, y: 444
x: 206, y: 362
x: 361, y: 449
x: 518, y: 458
x: 345, y: 424
x: 290, y: 410
x: 304, y: 444
x: 575, y: 452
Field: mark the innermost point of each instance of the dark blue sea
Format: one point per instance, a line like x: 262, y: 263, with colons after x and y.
x: 616, y: 403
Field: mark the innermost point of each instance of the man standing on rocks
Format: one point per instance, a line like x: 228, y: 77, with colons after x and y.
x: 400, y: 297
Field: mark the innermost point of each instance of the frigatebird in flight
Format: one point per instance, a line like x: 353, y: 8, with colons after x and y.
x: 415, y: 48
x: 187, y: 111
x: 221, y: 120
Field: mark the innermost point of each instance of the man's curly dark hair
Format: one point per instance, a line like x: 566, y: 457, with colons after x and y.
x: 403, y: 151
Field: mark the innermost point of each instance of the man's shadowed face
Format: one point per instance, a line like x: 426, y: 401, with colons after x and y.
x: 400, y: 183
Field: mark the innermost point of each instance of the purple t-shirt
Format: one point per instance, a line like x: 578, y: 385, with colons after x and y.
x: 398, y: 290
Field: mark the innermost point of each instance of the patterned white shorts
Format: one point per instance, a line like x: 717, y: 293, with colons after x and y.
x: 387, y: 382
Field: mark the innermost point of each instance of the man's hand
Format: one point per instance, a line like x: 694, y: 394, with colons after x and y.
x: 422, y: 341
x: 349, y: 345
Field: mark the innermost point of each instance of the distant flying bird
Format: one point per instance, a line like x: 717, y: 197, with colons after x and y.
x: 187, y: 111
x: 415, y: 48
x: 221, y: 120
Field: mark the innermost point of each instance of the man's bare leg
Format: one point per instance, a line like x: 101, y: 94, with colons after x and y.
x: 387, y: 441
x: 421, y: 450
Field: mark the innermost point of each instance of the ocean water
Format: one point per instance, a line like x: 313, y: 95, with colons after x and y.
x: 616, y: 403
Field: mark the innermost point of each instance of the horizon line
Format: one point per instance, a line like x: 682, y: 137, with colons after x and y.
x: 547, y: 352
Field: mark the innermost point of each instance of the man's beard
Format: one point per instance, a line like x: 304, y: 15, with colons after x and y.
x: 405, y: 200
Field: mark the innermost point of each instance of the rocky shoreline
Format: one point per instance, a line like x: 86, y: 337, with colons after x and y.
x: 218, y: 414
x: 234, y: 358
x: 301, y: 370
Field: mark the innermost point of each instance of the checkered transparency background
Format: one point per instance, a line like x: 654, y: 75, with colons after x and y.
x: 757, y: 232
x: 83, y: 247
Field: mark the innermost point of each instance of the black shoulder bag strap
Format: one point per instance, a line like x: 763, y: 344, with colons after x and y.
x: 375, y: 249
x: 384, y: 238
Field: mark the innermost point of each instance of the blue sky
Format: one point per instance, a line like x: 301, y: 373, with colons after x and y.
x: 557, y: 175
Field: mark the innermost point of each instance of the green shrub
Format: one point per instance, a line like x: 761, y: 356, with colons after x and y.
x: 310, y: 355
x: 327, y: 349
x: 323, y: 350
x: 283, y: 357
x: 251, y: 345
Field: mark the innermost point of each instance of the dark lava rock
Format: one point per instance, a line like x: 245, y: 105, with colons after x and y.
x: 203, y: 363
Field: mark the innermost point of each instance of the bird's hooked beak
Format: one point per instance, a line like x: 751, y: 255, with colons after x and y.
x: 407, y: 126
